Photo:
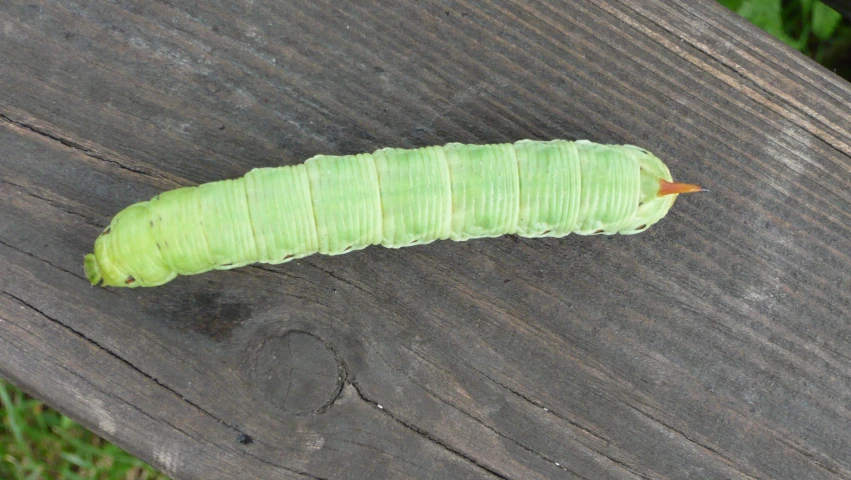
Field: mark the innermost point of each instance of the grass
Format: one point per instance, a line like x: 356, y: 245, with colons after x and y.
x: 37, y: 442
x: 808, y: 26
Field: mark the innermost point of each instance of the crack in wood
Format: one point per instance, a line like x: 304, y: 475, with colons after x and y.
x: 122, y: 360
x: 494, y: 430
x: 277, y: 465
x: 543, y: 407
x: 384, y: 452
x: 342, y: 373
x: 573, y: 423
x: 188, y: 435
x: 153, y: 459
x: 814, y: 457
x: 125, y: 402
x: 78, y: 275
x: 259, y: 266
x: 424, y: 434
x: 71, y: 144
x: 262, y: 266
x: 680, y: 433
x: 338, y: 277
x: 54, y: 204
x: 500, y: 434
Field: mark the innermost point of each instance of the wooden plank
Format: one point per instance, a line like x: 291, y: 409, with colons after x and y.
x: 712, y: 346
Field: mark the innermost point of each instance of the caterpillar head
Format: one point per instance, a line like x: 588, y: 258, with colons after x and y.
x: 657, y: 192
x: 126, y: 254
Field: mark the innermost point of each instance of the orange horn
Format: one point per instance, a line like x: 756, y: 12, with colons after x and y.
x: 670, y: 188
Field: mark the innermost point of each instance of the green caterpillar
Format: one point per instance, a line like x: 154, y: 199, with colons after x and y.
x: 393, y: 197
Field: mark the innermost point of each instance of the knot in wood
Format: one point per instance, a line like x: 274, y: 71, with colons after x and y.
x: 298, y: 372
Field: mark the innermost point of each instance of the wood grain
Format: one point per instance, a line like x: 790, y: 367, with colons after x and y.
x: 715, y: 345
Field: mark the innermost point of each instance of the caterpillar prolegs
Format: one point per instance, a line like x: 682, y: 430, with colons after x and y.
x: 393, y: 197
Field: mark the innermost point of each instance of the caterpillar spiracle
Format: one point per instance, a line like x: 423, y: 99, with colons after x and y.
x: 393, y: 197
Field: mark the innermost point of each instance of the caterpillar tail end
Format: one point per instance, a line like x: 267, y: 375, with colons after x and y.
x: 671, y: 188
x: 92, y: 269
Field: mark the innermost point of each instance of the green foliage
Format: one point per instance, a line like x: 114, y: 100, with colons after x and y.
x: 808, y: 26
x: 37, y: 442
x: 824, y: 21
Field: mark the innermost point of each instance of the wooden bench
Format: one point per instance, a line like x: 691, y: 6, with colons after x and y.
x: 715, y: 345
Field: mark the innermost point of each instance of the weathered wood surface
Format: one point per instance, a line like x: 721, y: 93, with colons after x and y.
x: 715, y: 345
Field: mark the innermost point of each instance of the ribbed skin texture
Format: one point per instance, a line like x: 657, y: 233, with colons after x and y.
x: 394, y: 197
x: 282, y: 216
x: 416, y: 195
